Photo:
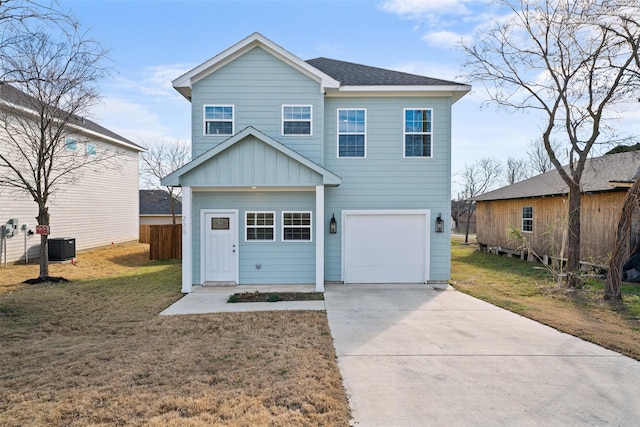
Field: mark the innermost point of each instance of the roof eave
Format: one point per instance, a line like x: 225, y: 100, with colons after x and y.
x: 454, y: 91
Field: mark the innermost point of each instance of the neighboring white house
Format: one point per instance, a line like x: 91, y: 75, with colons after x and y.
x: 99, y: 208
x: 155, y: 208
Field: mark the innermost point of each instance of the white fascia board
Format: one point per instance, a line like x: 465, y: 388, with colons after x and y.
x: 184, y: 83
x: 80, y: 129
x: 454, y: 91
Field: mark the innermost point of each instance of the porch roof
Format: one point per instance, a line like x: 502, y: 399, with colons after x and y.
x: 229, y: 165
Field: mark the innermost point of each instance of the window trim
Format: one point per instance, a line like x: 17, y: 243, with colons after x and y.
x: 247, y: 227
x: 283, y: 227
x: 338, y: 133
x: 529, y: 219
x: 205, y: 121
x: 69, y: 142
x: 282, y: 120
x: 405, y: 133
x: 91, y: 149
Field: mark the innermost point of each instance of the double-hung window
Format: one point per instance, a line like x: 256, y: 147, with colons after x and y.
x: 260, y: 226
x: 417, y: 132
x: 527, y: 219
x: 352, y: 132
x: 296, y: 120
x: 70, y: 144
x: 218, y: 119
x: 296, y: 226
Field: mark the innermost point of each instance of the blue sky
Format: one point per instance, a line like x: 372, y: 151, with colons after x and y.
x: 152, y: 42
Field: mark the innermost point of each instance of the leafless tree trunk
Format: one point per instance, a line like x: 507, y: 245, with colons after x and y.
x: 620, y: 253
x: 477, y: 179
x: 159, y: 161
x: 56, y: 77
x: 516, y: 170
x: 572, y: 61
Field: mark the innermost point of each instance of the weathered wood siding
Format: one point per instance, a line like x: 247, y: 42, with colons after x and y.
x: 598, y: 217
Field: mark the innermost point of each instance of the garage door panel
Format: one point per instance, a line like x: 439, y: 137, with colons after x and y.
x: 385, y: 248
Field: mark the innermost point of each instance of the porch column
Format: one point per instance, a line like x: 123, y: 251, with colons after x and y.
x: 320, y: 238
x: 187, y: 224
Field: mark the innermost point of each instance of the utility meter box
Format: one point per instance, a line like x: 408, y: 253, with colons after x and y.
x: 62, y: 249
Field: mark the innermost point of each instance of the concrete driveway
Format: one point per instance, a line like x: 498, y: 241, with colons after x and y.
x: 422, y: 355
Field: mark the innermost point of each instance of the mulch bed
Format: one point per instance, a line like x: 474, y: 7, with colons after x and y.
x: 275, y: 296
x: 48, y: 279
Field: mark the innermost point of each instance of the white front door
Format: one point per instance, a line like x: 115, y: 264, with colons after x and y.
x: 220, y: 247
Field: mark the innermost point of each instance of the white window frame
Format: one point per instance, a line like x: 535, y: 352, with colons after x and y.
x: 205, y: 120
x: 310, y: 226
x: 91, y: 149
x: 70, y: 144
x: 364, y: 156
x: 247, y: 226
x: 310, y: 120
x: 405, y: 133
x: 527, y: 219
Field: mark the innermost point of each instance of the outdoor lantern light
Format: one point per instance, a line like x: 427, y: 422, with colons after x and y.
x: 333, y: 225
x: 439, y: 224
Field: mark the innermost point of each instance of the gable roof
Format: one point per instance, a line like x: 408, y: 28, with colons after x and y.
x: 156, y: 202
x: 184, y: 83
x: 328, y: 177
x: 12, y: 96
x: 612, y: 172
x: 334, y: 76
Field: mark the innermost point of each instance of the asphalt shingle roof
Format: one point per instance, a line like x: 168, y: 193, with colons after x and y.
x: 350, y: 74
x: 599, y: 175
x: 15, y: 96
x: 156, y: 202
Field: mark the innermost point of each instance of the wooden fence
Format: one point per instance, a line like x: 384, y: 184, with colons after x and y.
x: 165, y: 241
x: 145, y: 233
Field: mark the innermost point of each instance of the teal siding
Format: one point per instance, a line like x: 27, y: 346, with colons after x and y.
x: 386, y: 180
x: 280, y: 262
x: 258, y: 84
x: 251, y: 162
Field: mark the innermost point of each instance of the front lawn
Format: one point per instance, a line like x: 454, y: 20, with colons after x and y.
x: 95, y: 352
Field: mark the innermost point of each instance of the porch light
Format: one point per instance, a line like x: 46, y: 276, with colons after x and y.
x: 333, y: 225
x: 439, y: 224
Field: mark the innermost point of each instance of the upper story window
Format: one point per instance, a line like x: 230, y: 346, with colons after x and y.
x: 70, y: 144
x: 90, y: 149
x: 218, y: 119
x: 417, y: 133
x: 352, y: 133
x: 260, y: 226
x: 296, y: 226
x: 296, y: 119
x: 527, y: 219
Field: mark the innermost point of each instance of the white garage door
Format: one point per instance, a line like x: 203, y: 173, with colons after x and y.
x: 386, y: 247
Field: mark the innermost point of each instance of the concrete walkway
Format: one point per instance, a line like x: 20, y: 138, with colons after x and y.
x: 416, y: 355
x: 423, y: 355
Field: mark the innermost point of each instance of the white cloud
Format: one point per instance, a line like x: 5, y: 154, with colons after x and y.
x: 420, y: 8
x: 445, y: 39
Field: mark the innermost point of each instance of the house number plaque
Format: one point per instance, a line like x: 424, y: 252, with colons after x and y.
x: 219, y: 223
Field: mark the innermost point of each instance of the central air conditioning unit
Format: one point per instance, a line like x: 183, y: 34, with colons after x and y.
x: 62, y: 249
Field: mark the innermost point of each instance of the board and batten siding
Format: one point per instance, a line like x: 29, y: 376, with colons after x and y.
x: 599, y: 214
x: 251, y: 162
x: 257, y: 84
x: 385, y: 180
x: 99, y: 208
x: 280, y: 262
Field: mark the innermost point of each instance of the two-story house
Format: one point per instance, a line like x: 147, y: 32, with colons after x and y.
x: 313, y: 171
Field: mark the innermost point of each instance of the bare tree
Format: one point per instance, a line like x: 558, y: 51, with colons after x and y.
x: 57, y: 84
x: 516, y: 170
x: 572, y: 61
x: 539, y: 159
x: 159, y: 161
x: 477, y: 179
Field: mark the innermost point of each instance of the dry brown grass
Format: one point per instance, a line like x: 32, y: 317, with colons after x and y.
x: 95, y: 352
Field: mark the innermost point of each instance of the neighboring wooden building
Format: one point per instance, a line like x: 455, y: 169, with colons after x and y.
x: 99, y: 207
x: 538, y: 208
